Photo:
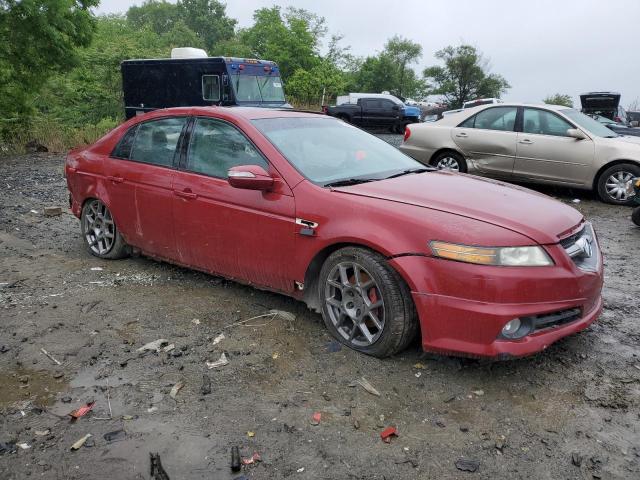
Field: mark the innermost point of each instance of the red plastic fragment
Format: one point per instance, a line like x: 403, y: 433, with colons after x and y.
x: 82, y: 411
x: 253, y: 459
x: 315, y: 419
x: 387, y: 433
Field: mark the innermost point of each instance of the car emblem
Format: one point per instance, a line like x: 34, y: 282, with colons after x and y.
x: 585, y: 246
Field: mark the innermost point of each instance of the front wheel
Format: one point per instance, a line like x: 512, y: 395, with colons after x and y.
x: 635, y: 216
x: 365, y: 303
x: 612, y: 183
x: 100, y: 232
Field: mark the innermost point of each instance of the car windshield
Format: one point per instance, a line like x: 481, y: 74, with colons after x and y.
x: 253, y: 88
x: 588, y: 123
x: 326, y: 150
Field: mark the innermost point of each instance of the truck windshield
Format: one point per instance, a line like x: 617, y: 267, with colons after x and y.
x: 254, y: 88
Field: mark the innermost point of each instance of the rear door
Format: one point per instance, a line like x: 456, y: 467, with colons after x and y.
x: 489, y: 139
x: 546, y: 152
x: 139, y: 185
x: 243, y: 234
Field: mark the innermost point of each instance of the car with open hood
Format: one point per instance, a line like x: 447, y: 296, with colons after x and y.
x: 546, y: 144
x: 317, y: 209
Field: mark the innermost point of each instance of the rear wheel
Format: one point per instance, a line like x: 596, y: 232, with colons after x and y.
x: 613, y: 181
x: 450, y: 160
x: 100, y: 232
x: 635, y: 216
x: 365, y: 303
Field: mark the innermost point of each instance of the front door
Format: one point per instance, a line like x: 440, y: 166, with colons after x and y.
x: 243, y: 234
x: 139, y: 185
x: 489, y: 139
x: 546, y: 152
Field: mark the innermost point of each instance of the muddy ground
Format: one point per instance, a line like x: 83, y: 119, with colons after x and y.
x: 571, y: 412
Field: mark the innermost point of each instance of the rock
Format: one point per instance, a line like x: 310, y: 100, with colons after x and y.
x: 205, y: 389
x: 52, y: 211
x: 576, y: 459
x: 66, y: 399
x: 464, y: 428
x: 467, y: 465
x: 440, y: 423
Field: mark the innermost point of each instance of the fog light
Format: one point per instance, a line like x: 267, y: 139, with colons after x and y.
x: 510, y: 330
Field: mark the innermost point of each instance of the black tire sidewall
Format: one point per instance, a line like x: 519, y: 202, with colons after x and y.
x: 602, y: 179
x: 394, y: 292
x: 635, y: 216
x: 462, y: 163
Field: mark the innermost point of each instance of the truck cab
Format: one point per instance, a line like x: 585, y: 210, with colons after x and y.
x: 191, y: 78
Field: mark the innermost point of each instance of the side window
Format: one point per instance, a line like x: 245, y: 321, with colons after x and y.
x: 387, y: 104
x: 496, y: 118
x: 211, y: 88
x: 468, y: 123
x: 123, y: 149
x: 541, y: 122
x: 156, y: 141
x: 217, y: 146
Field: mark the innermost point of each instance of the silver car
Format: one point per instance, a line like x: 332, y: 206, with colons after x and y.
x: 548, y: 144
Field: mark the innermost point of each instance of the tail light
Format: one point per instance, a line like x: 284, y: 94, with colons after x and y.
x: 325, y: 109
x: 407, y: 133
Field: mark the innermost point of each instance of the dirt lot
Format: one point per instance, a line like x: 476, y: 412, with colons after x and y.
x: 572, y: 412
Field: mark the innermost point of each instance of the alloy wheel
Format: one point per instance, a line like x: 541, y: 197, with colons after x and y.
x: 448, y: 163
x: 99, y: 228
x: 355, y: 304
x: 616, y: 185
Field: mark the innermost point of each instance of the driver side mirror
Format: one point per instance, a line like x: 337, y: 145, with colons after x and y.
x: 575, y: 133
x: 250, y: 177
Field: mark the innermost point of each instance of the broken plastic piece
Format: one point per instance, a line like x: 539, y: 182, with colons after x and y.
x: 368, y: 387
x: 80, y: 442
x: 315, y: 419
x: 218, y: 339
x: 115, y: 436
x: 176, y: 388
x: 82, y: 411
x: 387, y: 433
x: 221, y: 362
x: 154, y: 346
x: 235, y: 459
x: 255, y: 458
x: 157, y: 472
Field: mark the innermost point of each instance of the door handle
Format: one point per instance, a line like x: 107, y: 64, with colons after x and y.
x: 185, y: 194
x: 526, y: 141
x: 462, y: 135
x: 115, y: 179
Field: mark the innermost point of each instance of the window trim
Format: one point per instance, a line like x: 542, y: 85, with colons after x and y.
x: 174, y: 164
x: 202, y: 88
x: 475, y: 115
x: 566, y: 120
x: 185, y: 166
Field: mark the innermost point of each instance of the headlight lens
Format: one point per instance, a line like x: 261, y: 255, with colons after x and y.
x: 533, y: 256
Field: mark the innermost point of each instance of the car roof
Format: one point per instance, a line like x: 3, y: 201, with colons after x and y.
x: 248, y: 113
x: 457, y: 116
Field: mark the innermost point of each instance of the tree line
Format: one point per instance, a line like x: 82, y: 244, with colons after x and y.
x: 60, y: 63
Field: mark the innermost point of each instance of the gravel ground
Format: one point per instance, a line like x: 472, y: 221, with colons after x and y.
x: 571, y: 412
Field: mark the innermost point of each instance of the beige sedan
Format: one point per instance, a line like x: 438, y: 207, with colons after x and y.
x: 530, y: 143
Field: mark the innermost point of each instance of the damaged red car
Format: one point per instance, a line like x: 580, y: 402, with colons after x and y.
x: 311, y: 207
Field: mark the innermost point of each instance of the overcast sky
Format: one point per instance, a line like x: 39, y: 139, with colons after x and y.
x: 540, y: 46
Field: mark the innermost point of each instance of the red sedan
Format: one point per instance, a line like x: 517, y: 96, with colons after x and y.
x: 314, y: 208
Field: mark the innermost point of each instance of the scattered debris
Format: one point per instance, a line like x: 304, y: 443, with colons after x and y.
x: 205, y: 389
x: 235, y: 459
x: 175, y: 389
x: 300, y: 470
x: 387, y: 433
x: 464, y: 428
x: 42, y: 433
x: 356, y: 424
x: 66, y: 399
x: 419, y: 366
x: 221, y: 362
x: 466, y: 465
x: 115, y: 436
x: 251, y: 434
x: 4, y: 348
x: 368, y: 387
x: 440, y: 423
x: 154, y: 346
x: 478, y: 393
x: 500, y: 443
x: 576, y: 459
x: 51, y: 357
x: 169, y: 347
x: 275, y: 355
x: 152, y: 409
x: 96, y: 269
x: 24, y: 445
x: 82, y: 411
x: 418, y: 374
x: 450, y: 399
x: 196, y: 321
x: 52, y: 211
x: 80, y: 442
x: 157, y: 472
x: 255, y: 458
x: 8, y: 447
x: 315, y: 419
x: 218, y: 339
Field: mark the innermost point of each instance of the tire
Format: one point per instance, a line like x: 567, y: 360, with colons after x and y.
x: 611, y: 183
x: 635, y: 216
x: 370, y: 311
x: 100, y: 233
x: 449, y: 160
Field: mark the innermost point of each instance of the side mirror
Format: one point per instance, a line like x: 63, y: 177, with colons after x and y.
x: 575, y: 133
x: 250, y: 177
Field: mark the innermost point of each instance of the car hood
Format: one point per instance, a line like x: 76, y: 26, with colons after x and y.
x: 541, y: 218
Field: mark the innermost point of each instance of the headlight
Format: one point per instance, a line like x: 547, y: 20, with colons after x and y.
x: 501, y: 256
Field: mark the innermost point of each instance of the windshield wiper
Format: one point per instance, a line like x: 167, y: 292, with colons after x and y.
x: 349, y: 181
x: 409, y: 171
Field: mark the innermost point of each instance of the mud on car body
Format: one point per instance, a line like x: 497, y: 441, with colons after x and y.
x: 314, y: 208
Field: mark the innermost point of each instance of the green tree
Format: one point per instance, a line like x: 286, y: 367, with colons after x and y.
x: 559, y: 99
x: 308, y: 86
x: 464, y: 76
x: 160, y: 16
x: 38, y: 37
x: 402, y: 53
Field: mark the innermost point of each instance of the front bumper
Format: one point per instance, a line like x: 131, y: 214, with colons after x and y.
x: 462, y: 308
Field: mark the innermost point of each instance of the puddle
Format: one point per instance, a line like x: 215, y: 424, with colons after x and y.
x: 29, y: 385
